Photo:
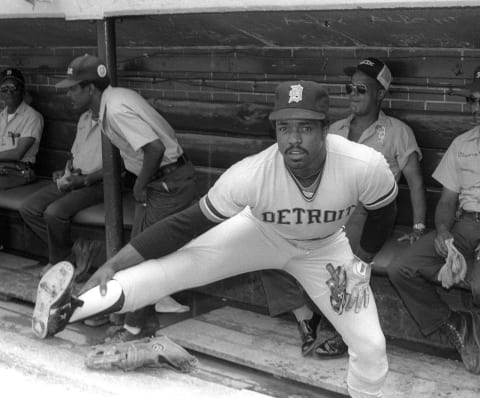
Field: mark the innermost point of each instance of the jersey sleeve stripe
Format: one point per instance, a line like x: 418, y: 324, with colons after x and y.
x: 209, y: 210
x: 384, y: 200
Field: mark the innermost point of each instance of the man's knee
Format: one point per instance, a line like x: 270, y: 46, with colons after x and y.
x: 397, y: 271
x: 54, y: 213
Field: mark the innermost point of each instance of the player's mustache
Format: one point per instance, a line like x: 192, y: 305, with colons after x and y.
x: 296, y: 148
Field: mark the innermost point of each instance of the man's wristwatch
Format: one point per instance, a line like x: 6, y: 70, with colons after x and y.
x: 419, y: 227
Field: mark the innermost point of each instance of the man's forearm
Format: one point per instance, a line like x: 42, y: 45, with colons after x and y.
x: 378, y: 227
x: 419, y: 204
x: 152, y: 157
x: 444, y: 216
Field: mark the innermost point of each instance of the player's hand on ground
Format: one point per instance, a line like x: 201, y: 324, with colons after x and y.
x: 358, y: 285
x: 440, y: 242
x: 99, y: 278
x: 337, y: 285
x: 411, y: 237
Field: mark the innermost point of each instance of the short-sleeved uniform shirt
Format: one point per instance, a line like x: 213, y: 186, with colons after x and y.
x: 389, y: 136
x: 130, y: 123
x: 459, y: 169
x: 352, y: 173
x: 87, y: 146
x: 25, y: 122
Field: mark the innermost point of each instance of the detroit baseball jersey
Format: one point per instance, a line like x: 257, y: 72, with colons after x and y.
x: 352, y: 173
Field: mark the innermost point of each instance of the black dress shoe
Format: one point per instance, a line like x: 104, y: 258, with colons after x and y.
x: 333, y: 347
x: 308, y: 334
x: 463, y: 332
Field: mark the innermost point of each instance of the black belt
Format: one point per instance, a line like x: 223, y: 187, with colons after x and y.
x: 170, y: 168
x: 473, y: 215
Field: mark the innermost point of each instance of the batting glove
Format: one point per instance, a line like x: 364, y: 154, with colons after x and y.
x: 358, y: 285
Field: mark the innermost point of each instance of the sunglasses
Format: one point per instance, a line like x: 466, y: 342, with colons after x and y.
x: 10, y: 88
x: 472, y: 100
x: 361, y: 89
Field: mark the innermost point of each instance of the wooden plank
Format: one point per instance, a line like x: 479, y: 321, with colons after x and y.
x: 434, y: 130
x: 13, y: 262
x: 272, y: 345
x: 220, y: 151
x: 20, y: 283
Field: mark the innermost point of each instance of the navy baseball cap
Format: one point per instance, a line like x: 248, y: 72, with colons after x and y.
x: 12, y: 73
x: 300, y: 100
x: 374, y: 68
x: 475, y: 87
x: 82, y: 69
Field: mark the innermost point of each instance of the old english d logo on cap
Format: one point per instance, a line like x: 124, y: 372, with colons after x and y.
x: 295, y: 93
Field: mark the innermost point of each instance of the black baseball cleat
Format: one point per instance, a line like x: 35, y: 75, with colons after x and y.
x: 54, y: 304
x: 307, y: 329
x: 333, y: 347
x: 463, y: 331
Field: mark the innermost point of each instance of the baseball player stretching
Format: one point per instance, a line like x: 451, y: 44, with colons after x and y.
x: 283, y: 208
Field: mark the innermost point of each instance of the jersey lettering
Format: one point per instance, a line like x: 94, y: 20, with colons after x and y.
x: 298, y: 215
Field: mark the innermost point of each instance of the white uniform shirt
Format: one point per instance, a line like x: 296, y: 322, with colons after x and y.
x: 87, y: 147
x: 26, y: 122
x: 130, y: 123
x: 459, y: 169
x: 352, y: 173
x: 389, y: 136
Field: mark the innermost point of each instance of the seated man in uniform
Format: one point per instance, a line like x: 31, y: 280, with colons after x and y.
x: 75, y: 187
x: 457, y: 233
x: 20, y: 132
x: 283, y: 208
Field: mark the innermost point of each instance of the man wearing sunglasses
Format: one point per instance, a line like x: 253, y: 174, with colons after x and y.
x: 435, y: 257
x: 368, y: 125
x: 20, y: 132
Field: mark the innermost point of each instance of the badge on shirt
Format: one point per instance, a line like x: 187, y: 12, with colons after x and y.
x: 380, y: 131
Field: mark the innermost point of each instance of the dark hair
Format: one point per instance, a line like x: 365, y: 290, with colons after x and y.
x: 99, y: 84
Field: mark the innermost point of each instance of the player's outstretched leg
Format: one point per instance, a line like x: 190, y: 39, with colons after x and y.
x: 54, y: 304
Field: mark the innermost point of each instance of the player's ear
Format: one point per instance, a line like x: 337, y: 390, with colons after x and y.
x: 382, y: 93
x: 325, y: 126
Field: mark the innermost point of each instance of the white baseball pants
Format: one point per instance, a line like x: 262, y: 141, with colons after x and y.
x: 243, y: 244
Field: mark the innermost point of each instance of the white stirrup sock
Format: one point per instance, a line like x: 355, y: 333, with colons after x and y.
x: 94, y: 303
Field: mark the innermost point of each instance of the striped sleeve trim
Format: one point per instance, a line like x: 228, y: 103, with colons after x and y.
x: 384, y: 200
x: 209, y: 210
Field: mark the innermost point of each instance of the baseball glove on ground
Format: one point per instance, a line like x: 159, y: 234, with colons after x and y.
x: 151, y: 351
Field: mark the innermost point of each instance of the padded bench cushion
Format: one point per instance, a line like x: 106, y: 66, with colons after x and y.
x: 12, y: 199
x: 95, y: 215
